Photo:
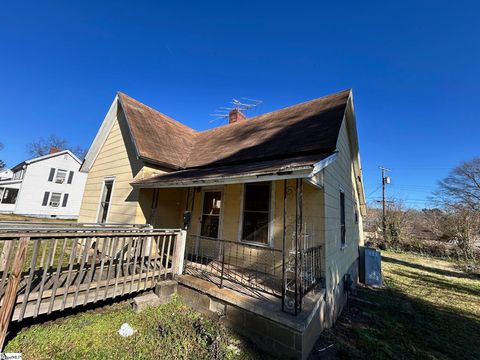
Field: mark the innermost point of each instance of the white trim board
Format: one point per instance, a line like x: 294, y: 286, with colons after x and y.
x: 101, y: 136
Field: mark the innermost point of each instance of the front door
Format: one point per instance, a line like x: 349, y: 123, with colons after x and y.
x: 211, y: 213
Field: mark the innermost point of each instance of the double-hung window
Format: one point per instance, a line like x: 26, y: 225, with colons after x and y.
x: 61, y: 176
x: 55, y: 199
x: 256, y: 212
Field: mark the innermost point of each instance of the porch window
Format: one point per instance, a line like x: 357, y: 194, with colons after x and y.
x: 256, y: 212
x: 105, y: 200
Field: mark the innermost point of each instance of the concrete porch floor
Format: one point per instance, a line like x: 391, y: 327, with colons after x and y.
x: 259, y: 319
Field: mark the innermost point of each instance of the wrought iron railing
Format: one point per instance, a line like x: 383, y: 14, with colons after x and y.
x: 249, y: 268
x: 311, y: 268
x: 254, y: 269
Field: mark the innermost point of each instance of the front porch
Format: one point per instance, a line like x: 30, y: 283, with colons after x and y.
x: 277, y: 258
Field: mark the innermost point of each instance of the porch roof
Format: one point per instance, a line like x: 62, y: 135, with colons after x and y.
x: 297, y: 167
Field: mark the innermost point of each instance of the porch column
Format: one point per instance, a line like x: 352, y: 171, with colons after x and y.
x: 292, y: 254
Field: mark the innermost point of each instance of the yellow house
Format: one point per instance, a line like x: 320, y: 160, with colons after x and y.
x: 272, y: 205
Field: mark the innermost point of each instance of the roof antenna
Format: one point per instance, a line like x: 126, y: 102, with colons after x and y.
x: 244, y: 105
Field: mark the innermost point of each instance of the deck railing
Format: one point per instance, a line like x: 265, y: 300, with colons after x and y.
x: 45, y: 271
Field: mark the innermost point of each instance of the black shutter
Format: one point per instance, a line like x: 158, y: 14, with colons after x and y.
x: 52, y: 174
x: 70, y: 177
x: 65, y: 199
x: 45, y: 198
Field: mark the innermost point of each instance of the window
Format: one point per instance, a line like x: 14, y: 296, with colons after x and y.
x: 212, y: 204
x: 18, y: 175
x: 256, y: 212
x: 55, y: 199
x: 342, y: 219
x: 61, y: 176
x: 105, y: 200
x: 70, y: 177
x: 9, y: 196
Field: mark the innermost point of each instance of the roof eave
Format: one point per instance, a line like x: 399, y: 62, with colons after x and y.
x: 303, y: 172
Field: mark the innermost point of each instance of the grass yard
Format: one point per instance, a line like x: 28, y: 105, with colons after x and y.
x: 13, y: 217
x: 429, y: 309
x: 171, y: 331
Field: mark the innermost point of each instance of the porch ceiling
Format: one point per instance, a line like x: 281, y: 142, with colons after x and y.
x: 298, y: 167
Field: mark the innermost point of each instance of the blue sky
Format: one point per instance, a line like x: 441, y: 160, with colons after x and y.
x: 413, y: 66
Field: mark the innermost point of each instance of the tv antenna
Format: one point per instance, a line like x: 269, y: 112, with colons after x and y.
x: 244, y: 105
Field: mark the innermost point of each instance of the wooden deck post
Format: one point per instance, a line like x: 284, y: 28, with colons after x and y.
x: 179, y: 253
x: 11, y: 293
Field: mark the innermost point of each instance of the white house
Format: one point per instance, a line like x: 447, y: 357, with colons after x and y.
x: 47, y: 186
x: 5, y: 174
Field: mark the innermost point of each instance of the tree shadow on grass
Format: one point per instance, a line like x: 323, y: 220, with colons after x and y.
x: 430, y: 269
x: 438, y: 283
x: 389, y: 324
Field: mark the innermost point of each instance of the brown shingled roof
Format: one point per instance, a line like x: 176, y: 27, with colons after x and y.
x: 309, y: 128
x: 157, y: 137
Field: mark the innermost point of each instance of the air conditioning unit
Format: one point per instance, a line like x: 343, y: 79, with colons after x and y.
x: 60, y: 181
x: 54, y: 204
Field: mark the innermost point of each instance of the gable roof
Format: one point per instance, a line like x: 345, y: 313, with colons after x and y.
x: 157, y: 137
x: 48, y: 156
x: 308, y: 128
x: 304, y: 129
x: 297, y: 141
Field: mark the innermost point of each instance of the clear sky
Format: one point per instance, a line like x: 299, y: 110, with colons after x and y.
x: 414, y: 67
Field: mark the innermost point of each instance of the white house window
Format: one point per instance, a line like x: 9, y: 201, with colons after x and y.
x: 105, y: 200
x: 9, y: 196
x: 18, y: 175
x: 61, y: 176
x: 55, y: 199
x: 256, y: 212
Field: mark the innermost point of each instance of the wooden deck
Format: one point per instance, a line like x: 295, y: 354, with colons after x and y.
x: 43, y: 272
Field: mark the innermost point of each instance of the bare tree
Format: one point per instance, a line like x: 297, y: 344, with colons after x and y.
x: 2, y: 163
x: 459, y: 196
x: 42, y: 146
x: 462, y: 186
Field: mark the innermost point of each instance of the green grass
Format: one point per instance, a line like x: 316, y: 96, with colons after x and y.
x: 171, y: 331
x: 429, y: 309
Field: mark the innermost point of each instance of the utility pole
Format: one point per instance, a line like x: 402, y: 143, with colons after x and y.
x: 385, y: 181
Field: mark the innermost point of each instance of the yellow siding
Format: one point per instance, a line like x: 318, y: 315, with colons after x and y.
x: 115, y: 159
x: 232, y: 213
x: 340, y: 176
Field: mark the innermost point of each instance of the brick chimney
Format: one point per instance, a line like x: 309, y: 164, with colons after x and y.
x: 235, y: 115
x: 53, y: 150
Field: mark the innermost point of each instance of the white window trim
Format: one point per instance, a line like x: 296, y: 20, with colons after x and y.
x: 271, y: 218
x: 222, y: 209
x: 107, y: 178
